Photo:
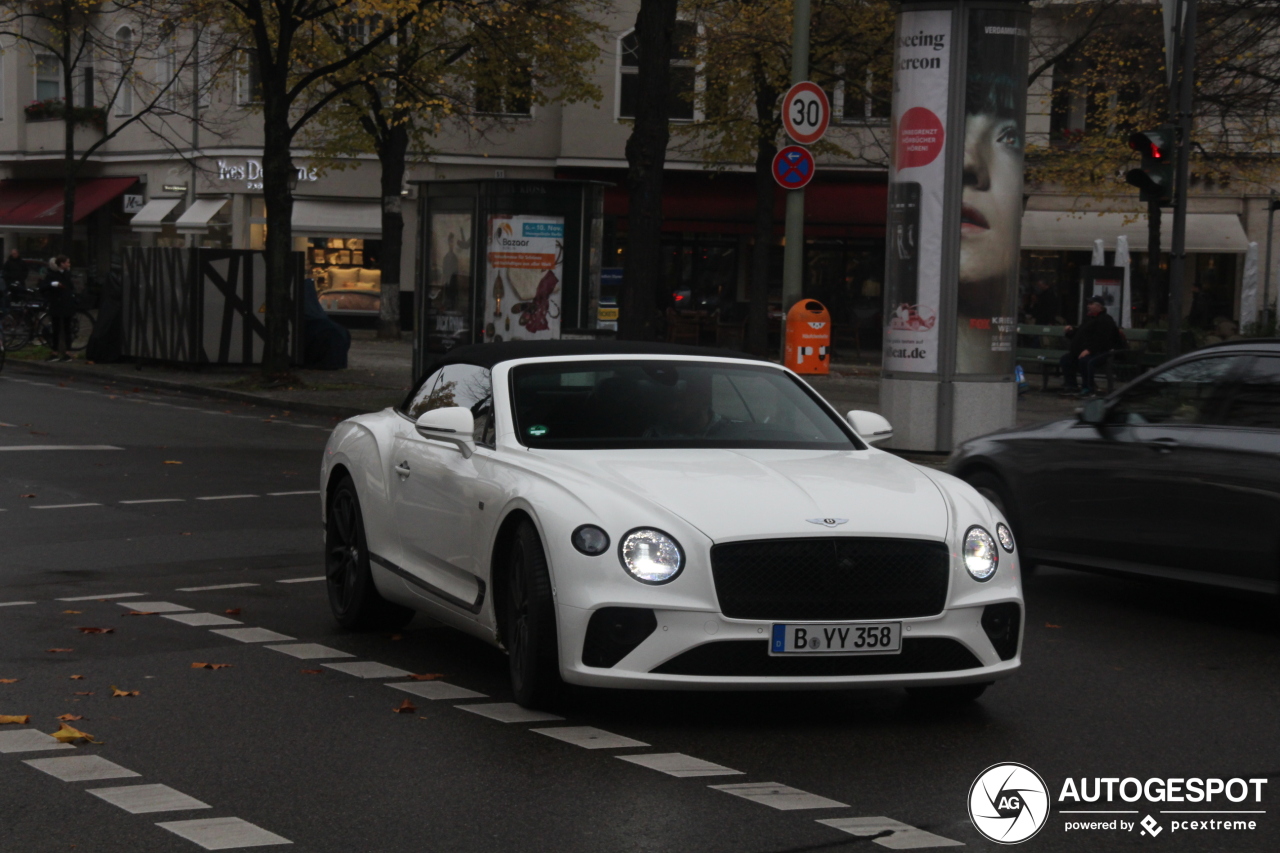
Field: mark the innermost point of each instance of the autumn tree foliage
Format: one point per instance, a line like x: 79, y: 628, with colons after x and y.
x: 466, y: 67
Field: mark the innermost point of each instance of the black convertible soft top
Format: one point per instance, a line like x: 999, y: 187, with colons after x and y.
x: 487, y: 355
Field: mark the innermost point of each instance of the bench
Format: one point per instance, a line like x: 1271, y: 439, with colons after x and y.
x: 1146, y: 350
x: 1046, y: 356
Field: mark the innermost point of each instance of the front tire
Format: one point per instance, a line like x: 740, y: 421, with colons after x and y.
x: 530, y: 624
x: 353, y: 598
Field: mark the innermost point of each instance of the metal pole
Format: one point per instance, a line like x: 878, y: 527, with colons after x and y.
x: 1178, y: 261
x: 1153, y: 254
x: 1266, y: 276
x: 793, y: 249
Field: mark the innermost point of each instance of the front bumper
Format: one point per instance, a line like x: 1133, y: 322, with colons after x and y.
x: 680, y: 631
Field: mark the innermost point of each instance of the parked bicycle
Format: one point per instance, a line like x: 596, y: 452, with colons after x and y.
x: 27, y: 320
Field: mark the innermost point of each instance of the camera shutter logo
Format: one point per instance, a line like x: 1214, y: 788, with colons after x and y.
x: 1009, y: 803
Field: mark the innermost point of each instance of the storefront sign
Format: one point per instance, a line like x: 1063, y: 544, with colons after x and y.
x: 174, y: 188
x: 132, y: 203
x: 250, y: 171
x: 526, y: 261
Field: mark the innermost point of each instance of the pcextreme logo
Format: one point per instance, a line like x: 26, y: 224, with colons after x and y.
x: 1008, y: 803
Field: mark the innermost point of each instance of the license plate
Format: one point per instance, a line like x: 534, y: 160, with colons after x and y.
x: 867, y: 638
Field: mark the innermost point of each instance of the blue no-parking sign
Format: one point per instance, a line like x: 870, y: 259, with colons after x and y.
x: 793, y: 167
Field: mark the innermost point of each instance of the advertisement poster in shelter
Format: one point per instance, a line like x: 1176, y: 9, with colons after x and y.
x: 917, y: 178
x: 449, y: 285
x: 523, y: 291
x: 995, y: 108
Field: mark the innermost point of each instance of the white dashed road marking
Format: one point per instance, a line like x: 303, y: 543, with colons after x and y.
x: 436, y: 690
x: 154, y: 606
x: 303, y: 580
x: 678, y: 764
x: 84, y: 768
x: 14, y: 603
x: 224, y: 497
x: 145, y: 799
x: 99, y: 597
x: 216, y: 586
x: 368, y: 669
x: 509, y: 712
x: 158, y: 501
x: 310, y: 651
x: 29, y: 740
x: 286, y: 494
x: 589, y: 737
x: 201, y: 619
x: 223, y: 833
x: 777, y: 796
x: 62, y: 506
x: 252, y: 635
x: 904, y: 837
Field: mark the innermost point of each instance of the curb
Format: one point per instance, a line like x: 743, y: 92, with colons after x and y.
x: 327, y: 409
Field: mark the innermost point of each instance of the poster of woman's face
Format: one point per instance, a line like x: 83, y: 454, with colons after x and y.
x: 991, y: 200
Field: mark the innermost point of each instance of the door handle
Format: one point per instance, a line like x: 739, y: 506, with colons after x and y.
x: 403, y: 469
x: 1163, y: 445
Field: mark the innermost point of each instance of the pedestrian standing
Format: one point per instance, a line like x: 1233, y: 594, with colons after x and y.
x: 60, y: 295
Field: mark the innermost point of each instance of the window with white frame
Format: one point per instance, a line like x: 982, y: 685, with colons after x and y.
x: 166, y: 74
x: 48, y: 77
x: 684, y: 73
x: 124, y: 49
x: 862, y: 95
x: 248, y: 78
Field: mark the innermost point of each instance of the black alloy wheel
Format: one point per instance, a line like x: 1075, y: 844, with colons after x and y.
x: 353, y: 598
x: 529, y: 628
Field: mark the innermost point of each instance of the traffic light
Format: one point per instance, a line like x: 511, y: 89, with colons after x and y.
x: 1155, y: 178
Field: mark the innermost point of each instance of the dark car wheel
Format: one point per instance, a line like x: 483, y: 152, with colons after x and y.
x: 529, y: 627
x: 353, y: 598
x: 947, y: 695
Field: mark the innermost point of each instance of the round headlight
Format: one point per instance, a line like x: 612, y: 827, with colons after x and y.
x: 590, y: 540
x: 1005, y: 535
x: 980, y: 554
x: 650, y: 556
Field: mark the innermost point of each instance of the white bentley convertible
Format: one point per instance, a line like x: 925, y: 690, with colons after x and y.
x: 648, y: 516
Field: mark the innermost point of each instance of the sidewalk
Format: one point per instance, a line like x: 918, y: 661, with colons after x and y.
x: 378, y: 375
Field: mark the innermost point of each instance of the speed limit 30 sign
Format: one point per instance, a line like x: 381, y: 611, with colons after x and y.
x: 806, y: 112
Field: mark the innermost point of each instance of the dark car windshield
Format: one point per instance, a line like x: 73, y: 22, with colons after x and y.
x: 634, y: 404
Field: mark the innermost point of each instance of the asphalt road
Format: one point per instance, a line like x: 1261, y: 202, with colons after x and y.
x: 1120, y: 679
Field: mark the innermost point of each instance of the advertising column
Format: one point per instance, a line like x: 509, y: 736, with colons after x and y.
x: 953, y: 220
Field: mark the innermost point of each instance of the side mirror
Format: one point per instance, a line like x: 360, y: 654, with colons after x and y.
x: 869, y: 426
x: 452, y: 424
x: 1094, y: 412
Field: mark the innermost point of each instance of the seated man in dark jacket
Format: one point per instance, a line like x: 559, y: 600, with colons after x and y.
x: 1091, y: 345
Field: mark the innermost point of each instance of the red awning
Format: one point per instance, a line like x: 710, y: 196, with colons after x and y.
x: 38, y: 204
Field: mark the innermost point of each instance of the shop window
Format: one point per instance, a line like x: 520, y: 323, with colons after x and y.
x: 346, y: 272
x: 48, y: 77
x: 684, y: 73
x: 124, y: 47
x: 505, y: 88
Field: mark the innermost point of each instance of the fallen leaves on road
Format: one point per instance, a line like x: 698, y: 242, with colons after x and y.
x: 83, y: 693
x: 233, y: 611
x: 77, y: 678
x: 74, y: 612
x: 69, y: 717
x: 313, y: 672
x: 1051, y: 625
x: 96, y: 630
x: 405, y: 707
x: 59, y: 650
x: 186, y: 534
x: 116, y: 692
x: 172, y: 462
x: 70, y: 734
x: 211, y: 665
x: 8, y: 681
x: 26, y: 496
x: 142, y: 613
x: 7, y: 718
x: 427, y: 676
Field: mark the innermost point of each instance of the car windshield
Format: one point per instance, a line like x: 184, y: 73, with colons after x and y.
x: 637, y: 404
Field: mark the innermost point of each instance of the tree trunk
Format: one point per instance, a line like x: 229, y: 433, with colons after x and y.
x: 757, y: 342
x: 391, y: 155
x: 646, y: 156
x: 277, y: 169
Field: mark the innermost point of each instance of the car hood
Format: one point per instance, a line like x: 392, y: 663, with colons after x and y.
x: 740, y: 494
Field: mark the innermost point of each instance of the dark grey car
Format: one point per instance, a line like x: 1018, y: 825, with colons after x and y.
x: 1176, y: 475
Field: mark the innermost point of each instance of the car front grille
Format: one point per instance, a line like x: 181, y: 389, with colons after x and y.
x: 830, y: 578
x: 744, y: 658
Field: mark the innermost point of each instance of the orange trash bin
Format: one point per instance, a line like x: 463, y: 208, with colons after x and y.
x: 808, y: 337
